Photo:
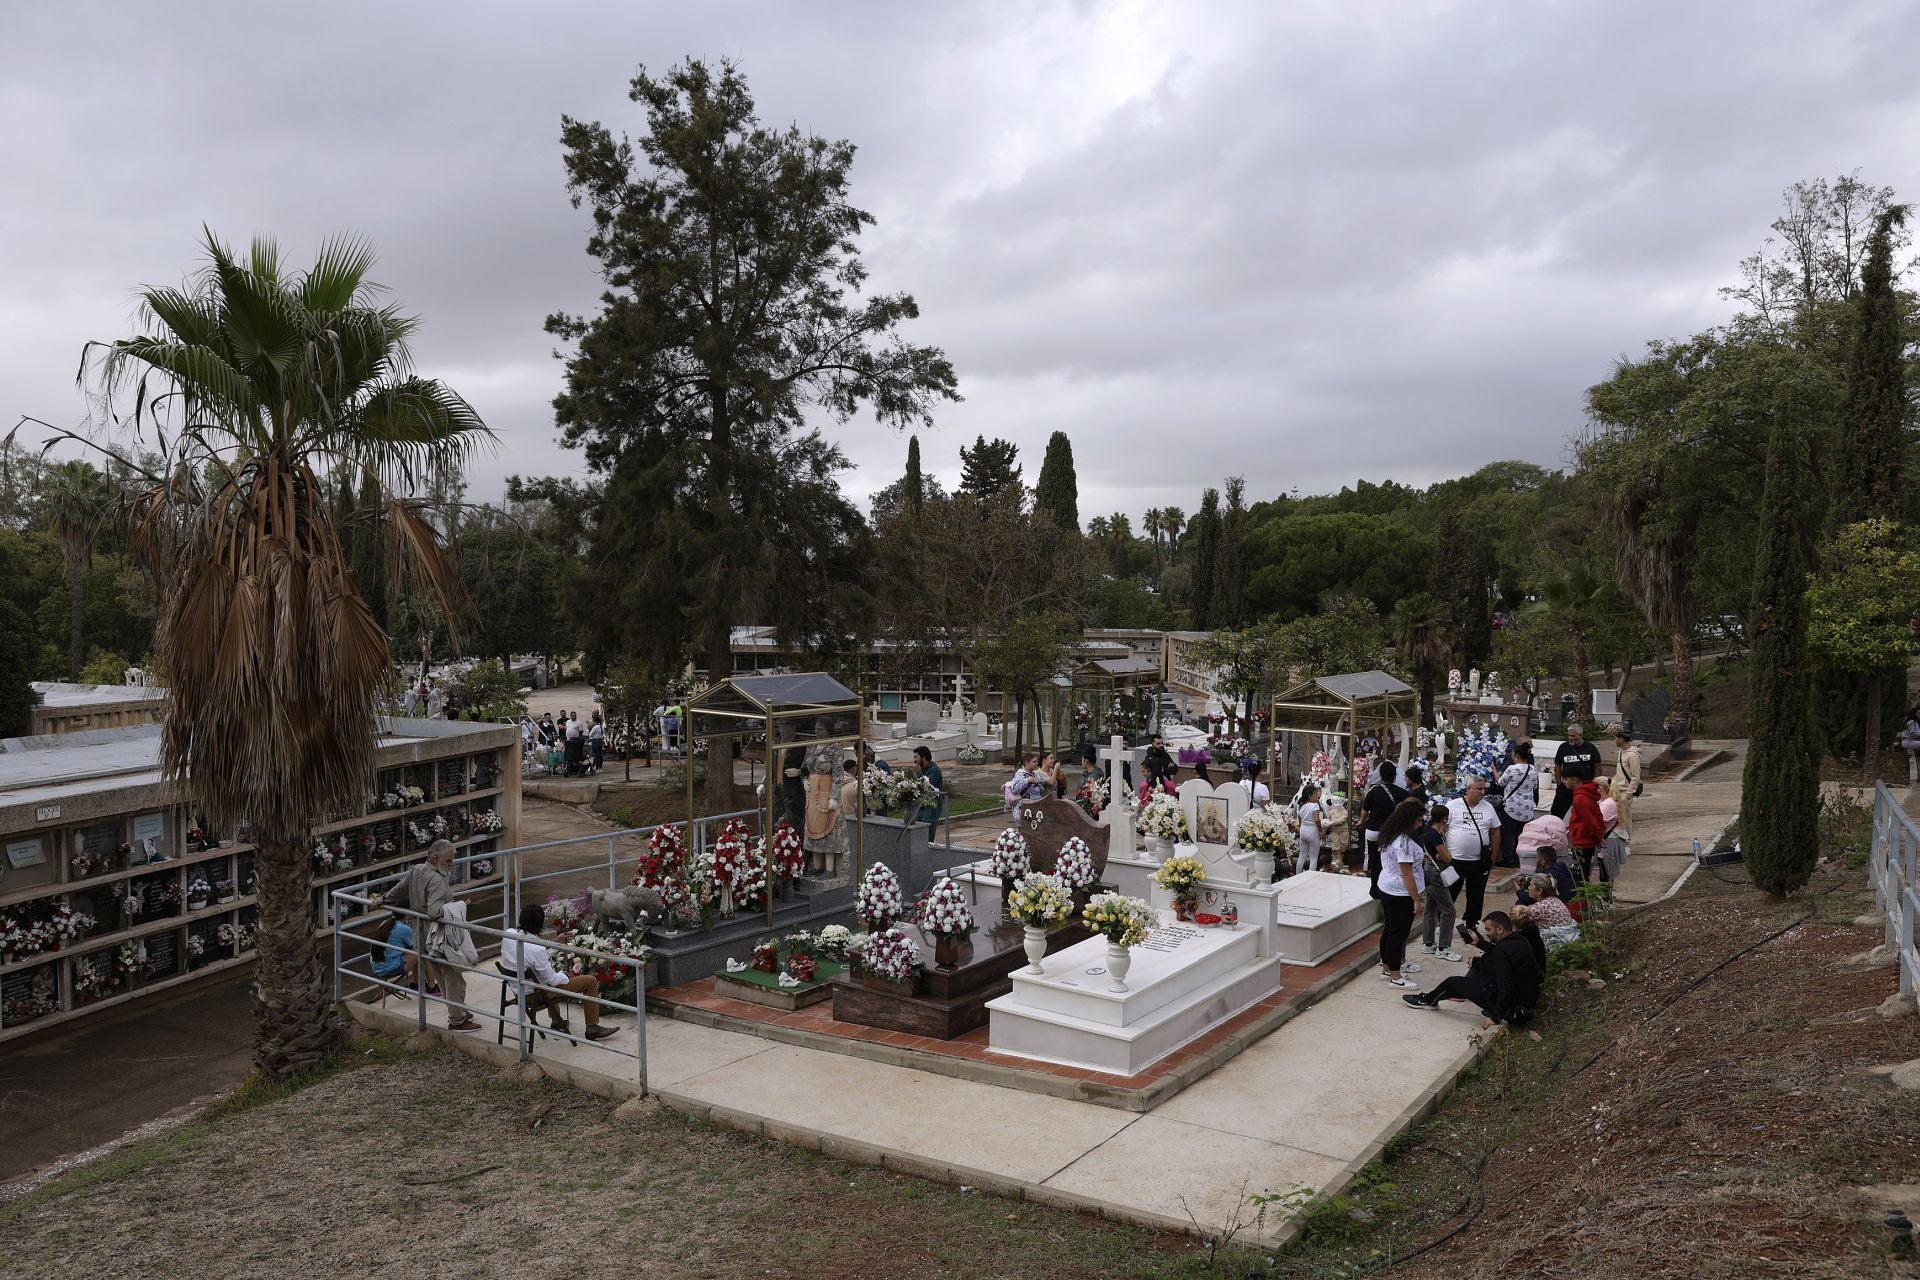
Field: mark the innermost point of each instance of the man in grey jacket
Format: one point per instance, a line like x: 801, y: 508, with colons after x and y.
x: 425, y: 888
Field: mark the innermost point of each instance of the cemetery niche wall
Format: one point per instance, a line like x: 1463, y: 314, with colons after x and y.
x: 112, y: 888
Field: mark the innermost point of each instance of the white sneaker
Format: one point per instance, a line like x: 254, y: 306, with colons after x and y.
x: 1427, y: 947
x: 1409, y: 967
x: 1450, y: 956
x: 1407, y: 983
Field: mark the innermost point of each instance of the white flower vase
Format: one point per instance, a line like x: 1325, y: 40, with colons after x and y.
x: 1262, y: 868
x: 1034, y: 941
x: 1119, y: 960
x: 1159, y: 848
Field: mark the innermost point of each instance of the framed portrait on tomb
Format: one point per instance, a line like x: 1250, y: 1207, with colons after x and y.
x: 1210, y: 820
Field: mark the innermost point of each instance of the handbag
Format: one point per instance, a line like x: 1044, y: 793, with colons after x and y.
x: 1449, y: 876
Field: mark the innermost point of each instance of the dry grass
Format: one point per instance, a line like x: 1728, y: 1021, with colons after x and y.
x: 320, y: 1183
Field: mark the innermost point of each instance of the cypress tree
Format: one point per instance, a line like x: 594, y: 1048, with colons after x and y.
x: 1874, y: 443
x: 916, y: 490
x: 1780, y: 791
x: 988, y: 467
x: 1058, y: 490
x: 1206, y: 554
x: 17, y: 698
x: 1228, y: 599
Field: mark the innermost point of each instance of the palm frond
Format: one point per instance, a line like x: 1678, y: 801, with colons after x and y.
x: 337, y: 280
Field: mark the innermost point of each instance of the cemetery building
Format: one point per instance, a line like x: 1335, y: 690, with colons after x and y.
x: 112, y: 888
x: 67, y: 708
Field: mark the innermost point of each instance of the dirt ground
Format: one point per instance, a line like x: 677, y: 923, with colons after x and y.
x: 432, y: 1165
x: 1708, y: 1113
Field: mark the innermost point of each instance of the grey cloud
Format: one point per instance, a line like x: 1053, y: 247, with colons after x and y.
x: 1303, y: 244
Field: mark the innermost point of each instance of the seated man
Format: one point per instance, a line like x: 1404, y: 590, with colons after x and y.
x: 396, y: 962
x: 1504, y: 979
x: 521, y: 954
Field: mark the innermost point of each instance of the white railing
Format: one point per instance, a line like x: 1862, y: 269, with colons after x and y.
x: 1894, y: 867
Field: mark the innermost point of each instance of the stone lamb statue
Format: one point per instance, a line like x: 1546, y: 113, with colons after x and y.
x: 634, y: 907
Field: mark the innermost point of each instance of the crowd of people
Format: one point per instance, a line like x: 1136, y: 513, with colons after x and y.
x: 566, y: 744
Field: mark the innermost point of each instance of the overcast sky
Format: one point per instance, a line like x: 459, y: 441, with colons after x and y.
x: 1300, y: 242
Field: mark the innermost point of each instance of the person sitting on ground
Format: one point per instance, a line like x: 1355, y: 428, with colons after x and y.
x: 1557, y: 925
x: 1504, y: 979
x: 522, y: 956
x: 396, y: 962
x: 1528, y: 931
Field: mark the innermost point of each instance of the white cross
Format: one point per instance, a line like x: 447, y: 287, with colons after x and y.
x: 1116, y: 817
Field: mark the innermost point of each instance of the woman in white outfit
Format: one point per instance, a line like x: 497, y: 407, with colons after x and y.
x: 1311, y: 812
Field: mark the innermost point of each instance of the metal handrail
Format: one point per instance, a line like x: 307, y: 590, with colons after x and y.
x: 1893, y: 865
x: 522, y: 983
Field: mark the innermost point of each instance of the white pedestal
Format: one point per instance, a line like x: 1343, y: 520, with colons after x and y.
x: 1183, y: 982
x: 1317, y: 913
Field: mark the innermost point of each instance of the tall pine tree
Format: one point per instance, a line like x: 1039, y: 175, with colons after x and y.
x: 1058, y: 490
x: 1873, y: 419
x: 916, y: 491
x: 1206, y: 555
x: 988, y: 467
x: 1780, y: 791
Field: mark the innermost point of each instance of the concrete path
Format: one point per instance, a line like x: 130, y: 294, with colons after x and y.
x: 1306, y: 1108
x: 1671, y: 814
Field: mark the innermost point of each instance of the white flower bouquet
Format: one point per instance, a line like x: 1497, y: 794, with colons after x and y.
x: 1121, y: 920
x: 890, y: 954
x: 834, y: 940
x: 944, y: 909
x: 1011, y: 858
x: 879, y: 903
x: 1040, y: 900
x: 1265, y: 831
x: 1075, y: 864
x: 1164, y: 819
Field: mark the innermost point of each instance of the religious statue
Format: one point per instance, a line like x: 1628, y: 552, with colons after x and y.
x: 826, y: 835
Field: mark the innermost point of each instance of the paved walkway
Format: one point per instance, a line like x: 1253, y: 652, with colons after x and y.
x: 1671, y: 814
x: 1305, y: 1108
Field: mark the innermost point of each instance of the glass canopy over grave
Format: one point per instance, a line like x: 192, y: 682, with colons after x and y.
x: 1345, y: 708
x: 791, y: 713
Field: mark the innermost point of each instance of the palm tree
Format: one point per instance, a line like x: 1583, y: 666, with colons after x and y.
x: 1172, y: 521
x: 78, y: 501
x: 1153, y: 525
x: 1570, y: 598
x: 256, y: 382
x: 1423, y: 635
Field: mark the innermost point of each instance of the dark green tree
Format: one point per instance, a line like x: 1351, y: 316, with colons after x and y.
x: 916, y: 489
x: 1463, y: 579
x: 1229, y: 599
x: 1206, y: 556
x: 1873, y: 419
x: 367, y: 549
x: 1780, y: 791
x: 989, y: 467
x: 1058, y: 491
x: 731, y: 309
x: 17, y: 698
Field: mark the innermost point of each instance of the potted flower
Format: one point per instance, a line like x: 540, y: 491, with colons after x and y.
x: 1181, y: 876
x: 223, y: 890
x: 196, y: 949
x: 789, y: 855
x: 1123, y: 922
x: 1074, y: 866
x: 878, y: 903
x: 1011, y: 860
x: 766, y: 957
x: 1165, y: 823
x: 1038, y: 902
x: 944, y: 913
x: 802, y: 967
x: 82, y: 863
x: 833, y: 941
x: 891, y: 956
x: 198, y: 892
x: 1265, y: 834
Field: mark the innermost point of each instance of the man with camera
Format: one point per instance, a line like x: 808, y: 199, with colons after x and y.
x: 1504, y: 979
